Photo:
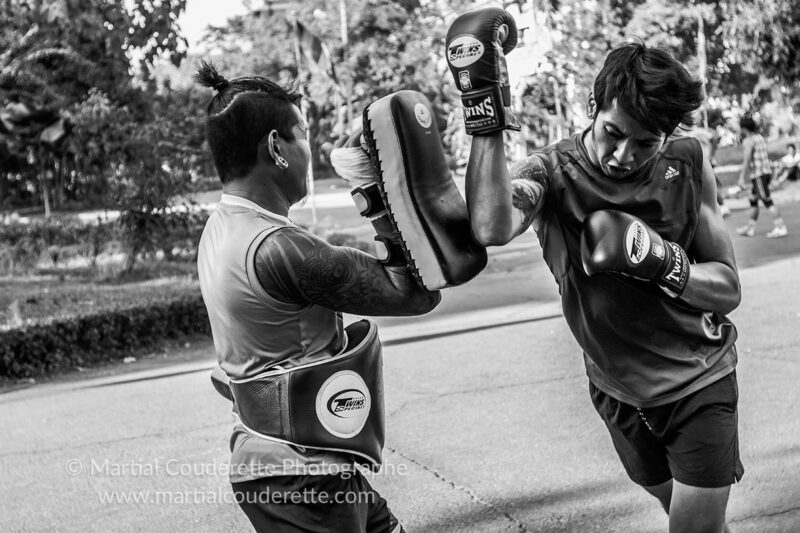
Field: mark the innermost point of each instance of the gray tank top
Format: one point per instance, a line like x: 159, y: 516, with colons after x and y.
x: 253, y: 332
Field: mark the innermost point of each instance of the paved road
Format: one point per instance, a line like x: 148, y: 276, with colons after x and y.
x: 489, y: 425
x: 488, y: 430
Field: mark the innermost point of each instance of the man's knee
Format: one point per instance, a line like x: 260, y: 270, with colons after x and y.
x: 698, y: 509
x: 663, y: 492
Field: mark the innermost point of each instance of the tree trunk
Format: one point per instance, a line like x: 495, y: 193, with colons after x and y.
x: 44, y: 186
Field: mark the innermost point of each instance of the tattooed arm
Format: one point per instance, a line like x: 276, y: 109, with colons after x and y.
x: 502, y: 206
x: 295, y: 266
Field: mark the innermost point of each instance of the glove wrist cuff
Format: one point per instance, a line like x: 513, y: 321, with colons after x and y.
x: 675, y: 273
x: 487, y: 110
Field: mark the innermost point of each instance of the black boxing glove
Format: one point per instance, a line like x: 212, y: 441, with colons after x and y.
x: 613, y: 241
x: 476, y: 45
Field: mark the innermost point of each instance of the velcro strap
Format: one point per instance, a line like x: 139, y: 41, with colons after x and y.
x: 676, y: 270
x: 485, y: 110
x: 506, y: 92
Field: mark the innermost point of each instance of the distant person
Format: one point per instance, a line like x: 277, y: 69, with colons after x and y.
x: 788, y: 168
x: 756, y: 166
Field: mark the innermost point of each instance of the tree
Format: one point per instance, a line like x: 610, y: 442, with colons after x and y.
x: 391, y: 45
x: 764, y: 37
x: 55, y: 52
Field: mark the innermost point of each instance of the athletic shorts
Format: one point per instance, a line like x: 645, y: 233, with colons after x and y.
x: 693, y: 440
x: 340, y: 503
x: 761, y: 188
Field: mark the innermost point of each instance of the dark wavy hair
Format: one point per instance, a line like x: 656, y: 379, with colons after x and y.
x: 747, y: 122
x: 649, y: 85
x: 239, y: 115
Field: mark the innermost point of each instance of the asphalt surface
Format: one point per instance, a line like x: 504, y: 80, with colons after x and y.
x: 489, y: 423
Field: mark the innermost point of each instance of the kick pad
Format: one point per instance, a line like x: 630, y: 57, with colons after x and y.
x: 429, y: 214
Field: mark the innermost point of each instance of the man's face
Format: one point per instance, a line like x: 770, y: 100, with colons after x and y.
x: 619, y: 145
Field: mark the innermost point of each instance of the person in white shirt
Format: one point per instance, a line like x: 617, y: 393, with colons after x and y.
x: 789, y: 168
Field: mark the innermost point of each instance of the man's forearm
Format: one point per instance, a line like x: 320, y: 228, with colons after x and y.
x: 488, y: 189
x: 713, y: 286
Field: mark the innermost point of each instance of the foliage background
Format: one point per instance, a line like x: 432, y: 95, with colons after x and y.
x: 98, y: 111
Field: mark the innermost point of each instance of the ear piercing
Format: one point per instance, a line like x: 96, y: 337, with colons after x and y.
x: 281, y: 163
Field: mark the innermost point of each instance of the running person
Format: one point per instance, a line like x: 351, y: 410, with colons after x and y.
x: 630, y: 228
x: 275, y: 294
x: 757, y: 167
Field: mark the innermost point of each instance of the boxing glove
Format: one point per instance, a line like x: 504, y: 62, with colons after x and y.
x: 613, y: 241
x: 476, y: 45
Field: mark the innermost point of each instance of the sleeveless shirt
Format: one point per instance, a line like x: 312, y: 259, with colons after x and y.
x: 253, y: 332
x: 640, y: 346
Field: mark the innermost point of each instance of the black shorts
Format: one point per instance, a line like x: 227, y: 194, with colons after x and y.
x: 693, y: 440
x: 341, y: 503
x: 760, y: 189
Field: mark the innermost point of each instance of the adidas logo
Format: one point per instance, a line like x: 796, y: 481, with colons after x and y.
x: 671, y: 173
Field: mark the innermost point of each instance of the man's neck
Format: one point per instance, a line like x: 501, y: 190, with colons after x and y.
x: 588, y: 145
x: 260, y: 194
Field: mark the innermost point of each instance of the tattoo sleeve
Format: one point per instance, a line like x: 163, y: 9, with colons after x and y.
x: 529, y: 180
x: 297, y: 267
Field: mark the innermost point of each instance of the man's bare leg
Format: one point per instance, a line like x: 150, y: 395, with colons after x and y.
x: 693, y: 509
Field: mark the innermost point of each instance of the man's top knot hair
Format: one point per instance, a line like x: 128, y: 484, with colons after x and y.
x: 228, y: 91
x: 207, y: 76
x: 221, y: 84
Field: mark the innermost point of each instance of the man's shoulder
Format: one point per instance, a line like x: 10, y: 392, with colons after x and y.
x: 682, y: 148
x: 558, y: 152
x: 281, y: 238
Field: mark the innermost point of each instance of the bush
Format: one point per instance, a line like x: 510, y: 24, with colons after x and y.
x: 23, y: 243
x: 174, y: 233
x: 40, y: 349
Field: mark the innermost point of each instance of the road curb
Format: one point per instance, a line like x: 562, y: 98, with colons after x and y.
x: 454, y: 324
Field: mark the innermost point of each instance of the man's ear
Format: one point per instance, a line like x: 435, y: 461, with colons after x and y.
x: 274, y: 149
x: 591, y: 107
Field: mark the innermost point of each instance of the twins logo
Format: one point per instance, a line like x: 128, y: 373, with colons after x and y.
x: 423, y: 115
x: 637, y: 242
x: 343, y: 404
x: 464, y: 50
x: 677, y: 273
x: 347, y: 403
x: 482, y: 109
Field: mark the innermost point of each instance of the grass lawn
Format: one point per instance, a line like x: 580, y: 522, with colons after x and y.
x: 732, y: 155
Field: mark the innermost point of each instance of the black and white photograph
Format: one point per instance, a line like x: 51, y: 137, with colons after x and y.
x: 400, y: 266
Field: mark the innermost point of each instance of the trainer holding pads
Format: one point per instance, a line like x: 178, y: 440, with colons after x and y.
x: 631, y: 230
x: 419, y: 215
x: 307, y: 393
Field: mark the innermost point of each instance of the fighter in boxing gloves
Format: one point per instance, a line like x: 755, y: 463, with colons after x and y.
x: 630, y: 229
x: 307, y: 393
